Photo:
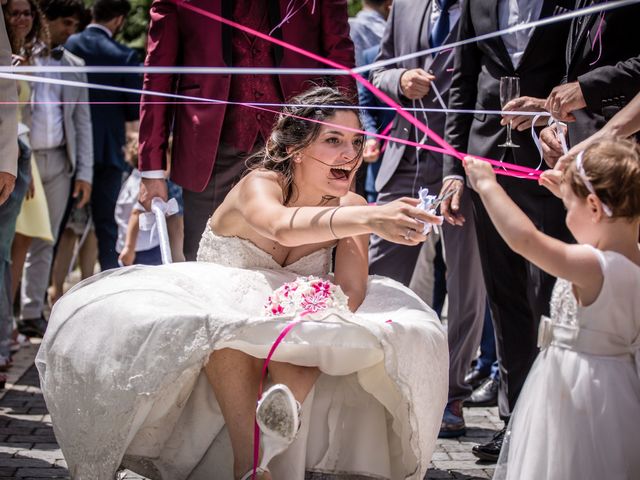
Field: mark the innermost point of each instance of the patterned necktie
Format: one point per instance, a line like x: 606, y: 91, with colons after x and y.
x: 441, y: 27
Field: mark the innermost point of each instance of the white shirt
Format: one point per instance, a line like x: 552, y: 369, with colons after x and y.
x: 101, y: 27
x: 516, y: 12
x: 47, y: 114
x: 127, y: 202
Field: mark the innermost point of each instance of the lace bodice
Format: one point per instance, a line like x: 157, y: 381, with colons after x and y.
x: 608, y: 326
x: 242, y: 253
x: 564, y: 306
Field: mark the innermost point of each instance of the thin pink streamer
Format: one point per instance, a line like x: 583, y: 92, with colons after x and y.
x: 598, y: 38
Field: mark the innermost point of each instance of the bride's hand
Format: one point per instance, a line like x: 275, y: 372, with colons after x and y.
x: 400, y: 221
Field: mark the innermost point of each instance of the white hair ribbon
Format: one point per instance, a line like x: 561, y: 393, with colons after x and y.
x: 589, y: 185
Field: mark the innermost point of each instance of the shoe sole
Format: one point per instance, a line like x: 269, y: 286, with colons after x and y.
x: 277, y: 413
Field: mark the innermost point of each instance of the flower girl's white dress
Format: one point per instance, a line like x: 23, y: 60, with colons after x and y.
x: 578, y: 415
x: 121, y: 370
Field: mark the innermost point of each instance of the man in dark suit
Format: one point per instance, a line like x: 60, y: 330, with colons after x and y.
x: 602, y: 74
x: 415, y: 26
x: 96, y: 46
x: 211, y: 142
x: 518, y: 292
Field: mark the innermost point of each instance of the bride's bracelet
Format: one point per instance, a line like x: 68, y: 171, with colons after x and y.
x: 333, y: 212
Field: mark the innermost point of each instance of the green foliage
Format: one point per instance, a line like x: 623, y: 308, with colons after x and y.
x: 354, y: 7
x: 134, y: 33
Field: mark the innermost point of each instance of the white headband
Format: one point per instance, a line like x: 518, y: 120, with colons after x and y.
x: 589, y: 185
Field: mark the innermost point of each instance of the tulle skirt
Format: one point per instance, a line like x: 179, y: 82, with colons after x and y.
x: 577, y: 417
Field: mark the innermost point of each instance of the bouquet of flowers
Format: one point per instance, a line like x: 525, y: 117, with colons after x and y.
x: 305, y: 295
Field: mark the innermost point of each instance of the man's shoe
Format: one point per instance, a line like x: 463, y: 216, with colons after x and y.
x: 32, y: 327
x: 452, y: 421
x: 486, y: 395
x: 490, y: 451
x: 475, y: 378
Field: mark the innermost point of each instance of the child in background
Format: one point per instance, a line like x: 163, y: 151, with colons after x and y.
x: 578, y: 416
x: 136, y: 246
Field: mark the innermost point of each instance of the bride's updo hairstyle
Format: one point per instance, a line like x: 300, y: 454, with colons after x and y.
x: 292, y: 133
x: 613, y: 170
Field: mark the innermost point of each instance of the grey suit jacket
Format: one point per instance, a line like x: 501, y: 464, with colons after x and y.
x: 77, y: 121
x: 402, y: 36
x: 8, y: 113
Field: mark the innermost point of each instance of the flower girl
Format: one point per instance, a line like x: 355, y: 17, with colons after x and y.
x: 578, y: 416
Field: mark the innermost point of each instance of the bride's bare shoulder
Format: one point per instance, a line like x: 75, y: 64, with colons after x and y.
x: 262, y: 175
x: 352, y: 199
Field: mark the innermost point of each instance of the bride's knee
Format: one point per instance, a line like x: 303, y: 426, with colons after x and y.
x: 233, y: 361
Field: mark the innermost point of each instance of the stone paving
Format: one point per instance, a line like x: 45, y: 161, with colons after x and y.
x: 28, y: 448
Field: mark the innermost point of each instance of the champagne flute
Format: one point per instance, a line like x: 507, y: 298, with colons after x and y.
x: 509, y: 89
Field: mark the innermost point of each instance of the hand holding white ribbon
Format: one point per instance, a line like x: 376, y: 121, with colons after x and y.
x: 157, y: 223
x: 426, y: 202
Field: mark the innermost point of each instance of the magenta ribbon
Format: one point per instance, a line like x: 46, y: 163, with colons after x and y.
x: 256, y: 428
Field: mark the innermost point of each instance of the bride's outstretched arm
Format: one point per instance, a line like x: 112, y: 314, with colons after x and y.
x: 261, y: 205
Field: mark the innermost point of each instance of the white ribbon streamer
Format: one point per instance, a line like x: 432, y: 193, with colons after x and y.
x: 156, y: 222
x: 98, y: 86
x: 557, y: 125
x: 602, y: 7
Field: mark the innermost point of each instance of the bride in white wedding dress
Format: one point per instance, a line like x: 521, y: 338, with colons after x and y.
x: 156, y: 369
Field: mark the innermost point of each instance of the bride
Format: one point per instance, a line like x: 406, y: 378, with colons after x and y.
x: 157, y: 369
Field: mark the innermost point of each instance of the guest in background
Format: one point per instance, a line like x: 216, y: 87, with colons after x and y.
x: 404, y: 169
x: 14, y: 179
x: 62, y: 146
x: 110, y: 112
x: 518, y: 291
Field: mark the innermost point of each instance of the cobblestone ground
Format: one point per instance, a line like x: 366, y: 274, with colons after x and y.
x: 28, y: 448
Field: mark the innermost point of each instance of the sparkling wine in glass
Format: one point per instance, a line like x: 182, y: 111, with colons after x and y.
x: 509, y: 89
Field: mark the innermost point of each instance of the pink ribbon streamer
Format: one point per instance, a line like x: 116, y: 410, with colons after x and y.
x: 598, y: 38
x: 256, y: 428
x: 447, y: 149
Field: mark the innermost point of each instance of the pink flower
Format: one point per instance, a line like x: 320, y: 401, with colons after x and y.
x: 314, y: 302
x: 277, y: 309
x: 324, y: 287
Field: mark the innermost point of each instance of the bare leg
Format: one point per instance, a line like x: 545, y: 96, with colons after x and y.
x: 19, y: 250
x: 300, y: 380
x: 235, y: 377
x: 88, y: 255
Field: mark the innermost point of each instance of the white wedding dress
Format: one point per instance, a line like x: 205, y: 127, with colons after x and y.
x: 121, y: 369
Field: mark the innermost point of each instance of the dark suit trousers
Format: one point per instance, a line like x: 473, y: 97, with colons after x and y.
x: 199, y: 206
x: 518, y: 291
x: 107, y: 181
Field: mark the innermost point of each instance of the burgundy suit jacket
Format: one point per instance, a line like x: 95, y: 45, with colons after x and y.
x: 179, y: 36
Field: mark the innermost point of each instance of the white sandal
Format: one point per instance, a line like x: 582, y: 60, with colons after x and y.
x: 278, y: 416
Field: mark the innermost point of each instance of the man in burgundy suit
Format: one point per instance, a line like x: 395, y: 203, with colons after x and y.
x: 212, y: 141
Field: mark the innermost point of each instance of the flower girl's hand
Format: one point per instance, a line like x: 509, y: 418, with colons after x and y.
x: 479, y: 173
x: 551, y: 179
x: 400, y: 221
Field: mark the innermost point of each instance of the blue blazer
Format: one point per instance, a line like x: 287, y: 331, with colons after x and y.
x: 95, y: 47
